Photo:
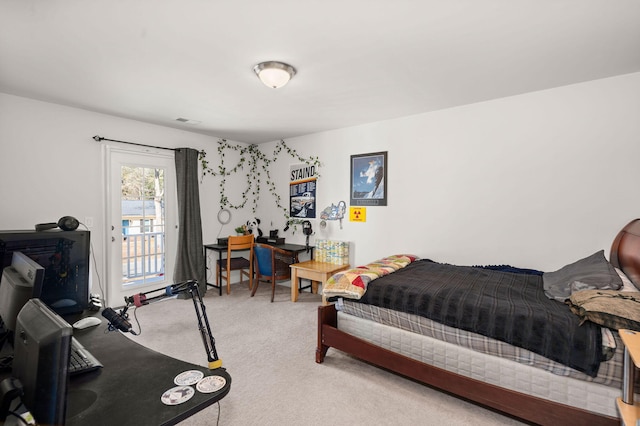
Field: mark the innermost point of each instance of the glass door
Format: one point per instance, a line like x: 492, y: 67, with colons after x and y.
x: 143, y: 223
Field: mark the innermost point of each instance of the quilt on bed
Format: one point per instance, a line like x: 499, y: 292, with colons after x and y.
x: 505, y: 306
x: 353, y: 282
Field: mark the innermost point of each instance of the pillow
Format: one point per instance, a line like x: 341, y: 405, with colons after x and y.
x: 353, y: 283
x: 608, y: 308
x: 592, y: 272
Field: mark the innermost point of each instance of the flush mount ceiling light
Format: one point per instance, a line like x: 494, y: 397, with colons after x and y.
x: 274, y: 74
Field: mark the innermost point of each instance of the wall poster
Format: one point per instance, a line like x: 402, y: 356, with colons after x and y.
x: 302, y: 191
x: 369, y: 179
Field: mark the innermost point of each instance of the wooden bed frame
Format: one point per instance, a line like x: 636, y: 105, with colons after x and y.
x: 625, y: 254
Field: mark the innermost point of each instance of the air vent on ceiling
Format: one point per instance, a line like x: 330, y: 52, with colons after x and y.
x: 187, y: 121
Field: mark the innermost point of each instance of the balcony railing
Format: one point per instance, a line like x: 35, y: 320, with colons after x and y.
x: 142, y: 256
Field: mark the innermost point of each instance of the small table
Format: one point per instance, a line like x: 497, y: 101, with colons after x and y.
x: 317, y: 272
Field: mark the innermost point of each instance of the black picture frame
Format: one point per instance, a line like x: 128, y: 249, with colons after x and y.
x: 369, y: 179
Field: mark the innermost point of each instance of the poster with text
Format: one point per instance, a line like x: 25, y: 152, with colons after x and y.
x: 302, y: 191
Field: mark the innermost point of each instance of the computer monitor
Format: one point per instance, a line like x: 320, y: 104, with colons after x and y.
x: 41, y: 357
x: 29, y: 269
x: 65, y: 257
x: 14, y: 293
x: 18, y: 284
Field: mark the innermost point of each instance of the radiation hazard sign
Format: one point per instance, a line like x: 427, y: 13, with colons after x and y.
x: 357, y: 214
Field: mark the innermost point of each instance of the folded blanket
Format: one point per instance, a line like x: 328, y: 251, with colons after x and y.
x: 352, y: 283
x: 608, y: 308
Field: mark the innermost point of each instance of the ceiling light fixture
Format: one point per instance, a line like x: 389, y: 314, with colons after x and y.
x: 274, y: 74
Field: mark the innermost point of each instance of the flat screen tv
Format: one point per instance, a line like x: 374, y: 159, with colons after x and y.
x: 65, y: 258
x: 41, y: 357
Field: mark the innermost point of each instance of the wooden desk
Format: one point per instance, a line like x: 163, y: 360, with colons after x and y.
x: 629, y: 411
x: 294, y: 249
x: 314, y: 271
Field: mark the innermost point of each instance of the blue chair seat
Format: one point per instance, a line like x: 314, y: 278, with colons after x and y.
x: 271, y: 265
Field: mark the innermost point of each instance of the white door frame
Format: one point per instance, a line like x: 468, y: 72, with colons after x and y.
x: 113, y: 225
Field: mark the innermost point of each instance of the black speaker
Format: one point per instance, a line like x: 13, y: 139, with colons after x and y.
x: 66, y: 223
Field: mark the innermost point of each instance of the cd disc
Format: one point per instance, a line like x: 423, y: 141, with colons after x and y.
x: 177, y: 395
x: 211, y: 384
x: 190, y: 377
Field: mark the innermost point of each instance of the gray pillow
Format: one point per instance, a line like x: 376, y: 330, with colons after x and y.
x: 590, y: 273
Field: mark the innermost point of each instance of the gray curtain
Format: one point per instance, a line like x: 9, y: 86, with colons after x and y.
x: 190, y: 262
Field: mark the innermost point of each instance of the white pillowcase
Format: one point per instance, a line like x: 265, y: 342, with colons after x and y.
x: 627, y: 285
x: 607, y: 337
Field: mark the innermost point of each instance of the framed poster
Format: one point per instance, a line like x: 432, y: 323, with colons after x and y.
x: 302, y: 191
x: 369, y: 179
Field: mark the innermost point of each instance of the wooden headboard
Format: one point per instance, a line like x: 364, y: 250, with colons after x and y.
x: 625, y: 251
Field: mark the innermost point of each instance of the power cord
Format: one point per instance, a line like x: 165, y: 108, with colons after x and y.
x: 20, y: 418
x: 95, y: 263
x: 11, y: 404
x: 135, y: 317
x: 6, y: 363
x: 96, y: 301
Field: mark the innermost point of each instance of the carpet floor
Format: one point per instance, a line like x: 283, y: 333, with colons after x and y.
x: 269, y: 351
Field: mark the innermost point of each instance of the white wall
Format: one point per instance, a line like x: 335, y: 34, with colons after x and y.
x: 51, y: 167
x: 535, y: 180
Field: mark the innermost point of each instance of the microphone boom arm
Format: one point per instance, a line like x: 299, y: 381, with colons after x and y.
x: 172, y: 291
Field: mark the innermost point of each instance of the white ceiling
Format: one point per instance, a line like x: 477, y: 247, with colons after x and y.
x: 358, y: 61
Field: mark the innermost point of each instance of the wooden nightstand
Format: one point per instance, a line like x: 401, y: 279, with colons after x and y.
x: 317, y: 272
x: 629, y: 411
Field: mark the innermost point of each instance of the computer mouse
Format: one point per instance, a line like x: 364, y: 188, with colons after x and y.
x: 86, y: 322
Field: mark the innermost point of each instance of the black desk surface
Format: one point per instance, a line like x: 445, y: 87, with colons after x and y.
x: 294, y: 248
x: 127, y: 390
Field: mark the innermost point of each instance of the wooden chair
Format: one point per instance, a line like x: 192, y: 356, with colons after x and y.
x: 225, y: 266
x: 271, y: 265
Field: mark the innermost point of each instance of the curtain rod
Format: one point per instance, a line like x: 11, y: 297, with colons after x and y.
x: 100, y: 139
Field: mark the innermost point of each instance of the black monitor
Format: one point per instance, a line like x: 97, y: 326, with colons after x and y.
x: 41, y: 357
x: 65, y: 258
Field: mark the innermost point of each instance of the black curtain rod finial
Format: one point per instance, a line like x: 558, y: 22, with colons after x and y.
x: 98, y: 138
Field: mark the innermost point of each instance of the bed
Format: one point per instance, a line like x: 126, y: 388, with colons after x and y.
x: 568, y: 388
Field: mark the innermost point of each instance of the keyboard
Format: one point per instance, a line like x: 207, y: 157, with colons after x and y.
x: 81, y: 360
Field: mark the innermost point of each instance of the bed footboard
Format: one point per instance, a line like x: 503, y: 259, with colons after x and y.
x: 513, y: 403
x: 327, y: 316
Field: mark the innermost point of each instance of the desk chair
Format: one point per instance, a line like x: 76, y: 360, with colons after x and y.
x: 225, y: 266
x: 271, y: 265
